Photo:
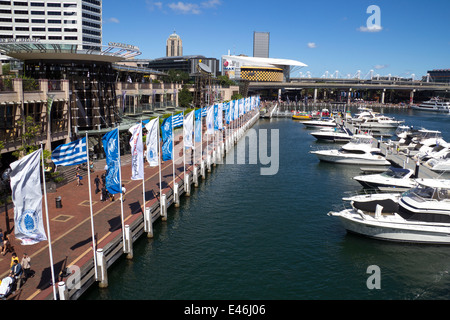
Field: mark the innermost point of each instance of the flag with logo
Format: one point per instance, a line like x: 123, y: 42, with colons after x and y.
x: 27, y: 199
x: 198, y: 125
x: 210, y: 120
x: 220, y: 116
x: 188, y: 129
x: 111, y: 146
x: 167, y: 136
x: 236, y: 109
x: 137, y: 152
x: 70, y: 154
x: 216, y: 117
x: 152, y: 142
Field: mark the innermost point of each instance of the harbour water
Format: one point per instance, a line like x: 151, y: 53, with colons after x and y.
x: 242, y: 235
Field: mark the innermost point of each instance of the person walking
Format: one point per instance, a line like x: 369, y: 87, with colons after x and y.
x: 26, y: 265
x: 123, y: 192
x: 97, y: 183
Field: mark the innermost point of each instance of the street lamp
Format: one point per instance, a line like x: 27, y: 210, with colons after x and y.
x: 4, y: 186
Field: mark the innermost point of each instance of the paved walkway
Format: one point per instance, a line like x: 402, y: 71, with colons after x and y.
x: 70, y: 226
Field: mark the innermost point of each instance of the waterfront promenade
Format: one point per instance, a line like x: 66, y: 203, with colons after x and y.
x: 70, y: 226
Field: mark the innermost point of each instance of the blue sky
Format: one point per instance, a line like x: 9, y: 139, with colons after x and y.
x: 326, y: 35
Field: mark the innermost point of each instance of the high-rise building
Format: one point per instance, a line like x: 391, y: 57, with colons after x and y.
x: 261, y: 44
x: 174, y: 47
x: 69, y: 22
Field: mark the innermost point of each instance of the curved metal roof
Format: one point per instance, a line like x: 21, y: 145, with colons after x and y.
x: 266, y: 62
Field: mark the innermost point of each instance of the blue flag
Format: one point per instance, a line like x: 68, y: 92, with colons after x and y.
x: 198, y: 125
x: 167, y: 136
x: 111, y: 146
x: 216, y: 117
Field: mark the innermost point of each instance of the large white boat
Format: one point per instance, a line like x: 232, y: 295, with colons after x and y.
x: 421, y: 215
x: 398, y: 179
x: 434, y: 104
x: 323, y: 122
x: 337, y: 134
x: 359, y: 150
x: 379, y: 122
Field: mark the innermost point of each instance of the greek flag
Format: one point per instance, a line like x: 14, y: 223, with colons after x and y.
x: 70, y: 154
x: 178, y: 120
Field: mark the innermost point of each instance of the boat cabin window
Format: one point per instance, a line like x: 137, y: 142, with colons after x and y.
x: 394, y: 174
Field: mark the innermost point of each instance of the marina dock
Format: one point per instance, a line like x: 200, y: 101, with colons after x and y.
x: 70, y: 224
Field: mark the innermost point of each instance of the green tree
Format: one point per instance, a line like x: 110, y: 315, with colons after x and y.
x: 185, y: 97
x: 29, y: 143
x: 225, y: 81
x: 236, y: 96
x: 176, y: 76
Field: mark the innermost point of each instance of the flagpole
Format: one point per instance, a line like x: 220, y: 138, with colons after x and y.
x: 184, y: 150
x: 90, y: 204
x: 201, y: 135
x: 48, y: 227
x: 193, y: 165
x: 159, y: 164
x: 121, y: 193
x: 173, y: 154
x: 143, y: 172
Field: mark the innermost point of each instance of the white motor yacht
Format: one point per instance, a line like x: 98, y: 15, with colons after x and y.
x: 438, y: 165
x: 337, y: 134
x: 358, y: 151
x: 379, y: 122
x: 434, y: 104
x: 322, y: 122
x: 398, y: 179
x: 422, y: 216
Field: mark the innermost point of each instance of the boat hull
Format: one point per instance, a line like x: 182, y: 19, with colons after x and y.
x: 335, y: 157
x: 393, y: 228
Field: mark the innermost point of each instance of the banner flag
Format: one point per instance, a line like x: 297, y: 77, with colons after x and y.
x: 216, y: 117
x: 152, y: 153
x: 137, y: 152
x: 220, y: 116
x: 27, y: 199
x: 167, y: 136
x: 111, y: 146
x: 198, y: 125
x: 236, y: 109
x: 70, y: 154
x: 210, y: 120
x: 188, y: 128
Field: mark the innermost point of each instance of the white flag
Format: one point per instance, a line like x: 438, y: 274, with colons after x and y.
x: 188, y: 128
x: 137, y: 152
x: 27, y: 199
x: 210, y: 120
x: 152, y: 142
x: 220, y: 116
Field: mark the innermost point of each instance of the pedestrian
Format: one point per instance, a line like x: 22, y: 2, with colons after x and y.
x: 1, y: 235
x: 14, y: 257
x: 26, y: 265
x: 79, y: 178
x: 97, y: 182
x: 6, y: 244
x: 16, y: 270
x: 123, y: 192
x: 104, y: 194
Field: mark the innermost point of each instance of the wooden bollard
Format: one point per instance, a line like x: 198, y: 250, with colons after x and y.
x: 148, y: 224
x: 102, y: 269
x: 128, y: 242
x: 202, y: 169
x: 176, y: 195
x: 187, y: 185
x: 195, y: 177
x: 163, y: 207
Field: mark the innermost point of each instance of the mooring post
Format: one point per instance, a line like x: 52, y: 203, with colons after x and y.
x: 103, y: 272
x: 176, y: 195
x: 128, y: 242
x: 195, y: 176
x: 148, y: 225
x: 187, y: 185
x: 62, y: 290
x: 163, y: 207
x: 202, y: 169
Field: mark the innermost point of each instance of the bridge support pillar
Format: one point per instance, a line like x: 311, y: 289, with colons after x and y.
x: 315, y: 95
x: 383, y: 94
x: 411, y: 97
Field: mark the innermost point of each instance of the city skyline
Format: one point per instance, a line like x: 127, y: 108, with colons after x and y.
x: 327, y: 36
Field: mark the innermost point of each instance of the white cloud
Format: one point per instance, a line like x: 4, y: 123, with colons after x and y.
x: 211, y: 3
x: 113, y: 20
x: 185, y: 8
x: 381, y: 66
x: 312, y: 45
x: 152, y: 5
x: 374, y: 28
